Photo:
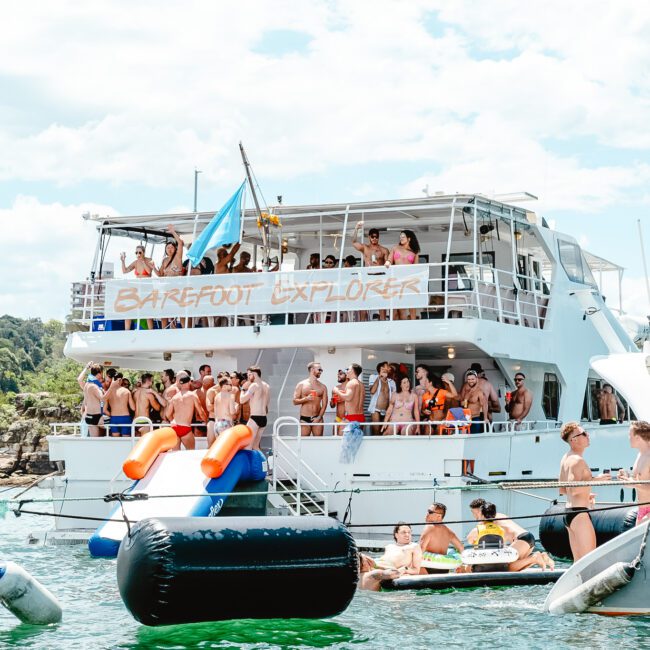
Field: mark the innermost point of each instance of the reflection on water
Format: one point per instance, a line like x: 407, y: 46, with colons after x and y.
x: 94, y: 616
x: 291, y: 633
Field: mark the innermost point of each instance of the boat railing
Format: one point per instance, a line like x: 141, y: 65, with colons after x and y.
x: 454, y: 290
x: 293, y: 475
x: 80, y: 429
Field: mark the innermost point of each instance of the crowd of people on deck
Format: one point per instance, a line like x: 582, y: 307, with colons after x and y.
x: 202, y: 406
x: 405, y: 251
x: 397, y: 407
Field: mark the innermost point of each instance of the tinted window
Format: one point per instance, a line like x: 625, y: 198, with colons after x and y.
x: 551, y: 396
x: 571, y: 261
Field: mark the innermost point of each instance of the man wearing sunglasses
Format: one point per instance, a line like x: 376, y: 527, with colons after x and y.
x: 520, y: 402
x: 573, y: 467
x: 436, y: 537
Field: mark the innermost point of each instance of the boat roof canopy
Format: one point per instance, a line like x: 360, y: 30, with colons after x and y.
x: 415, y: 214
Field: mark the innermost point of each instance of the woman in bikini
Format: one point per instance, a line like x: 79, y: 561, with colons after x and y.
x: 171, y: 266
x: 404, y: 407
x: 143, y: 267
x: 407, y: 251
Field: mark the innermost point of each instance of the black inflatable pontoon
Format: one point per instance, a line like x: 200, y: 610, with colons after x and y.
x: 191, y: 569
x: 439, y: 581
x: 608, y: 524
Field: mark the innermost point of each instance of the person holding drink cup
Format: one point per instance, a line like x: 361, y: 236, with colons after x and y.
x: 311, y: 396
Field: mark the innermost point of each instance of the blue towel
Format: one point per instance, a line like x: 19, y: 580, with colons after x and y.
x: 352, y: 439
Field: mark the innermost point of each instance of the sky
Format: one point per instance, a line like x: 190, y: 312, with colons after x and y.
x: 108, y: 107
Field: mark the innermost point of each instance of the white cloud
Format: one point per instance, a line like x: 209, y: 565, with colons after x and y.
x: 44, y: 248
x: 178, y: 86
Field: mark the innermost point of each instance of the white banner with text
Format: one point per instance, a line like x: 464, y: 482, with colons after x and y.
x: 281, y: 292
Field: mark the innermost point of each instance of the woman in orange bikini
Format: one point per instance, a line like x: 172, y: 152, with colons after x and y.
x: 407, y: 251
x: 404, y: 407
x: 172, y: 264
x: 143, y: 267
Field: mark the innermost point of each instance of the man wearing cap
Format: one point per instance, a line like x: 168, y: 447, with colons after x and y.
x: 488, y: 389
x: 374, y: 254
x: 473, y: 398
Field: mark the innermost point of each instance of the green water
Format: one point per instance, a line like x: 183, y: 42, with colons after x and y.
x: 94, y: 616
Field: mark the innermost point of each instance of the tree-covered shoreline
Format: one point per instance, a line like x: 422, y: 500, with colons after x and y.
x: 38, y: 385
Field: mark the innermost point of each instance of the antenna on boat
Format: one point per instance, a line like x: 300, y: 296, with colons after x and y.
x: 645, y: 265
x: 266, y: 241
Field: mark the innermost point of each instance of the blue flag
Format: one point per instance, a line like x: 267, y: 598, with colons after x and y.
x: 223, y: 229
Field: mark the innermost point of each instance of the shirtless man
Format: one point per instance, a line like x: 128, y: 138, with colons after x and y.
x: 607, y: 404
x: 494, y: 405
x: 422, y: 377
x: 182, y: 410
x: 573, y: 467
x: 119, y: 402
x: 473, y: 398
x: 207, y: 382
x: 341, y: 377
x: 436, y: 537
x: 225, y: 258
x: 405, y: 555
x: 169, y: 382
x: 244, y: 261
x: 146, y: 399
x: 93, y: 397
x: 640, y: 440
x: 257, y: 393
x: 382, y: 388
x: 353, y: 395
x: 224, y: 408
x: 373, y: 255
x: 311, y: 396
x: 522, y: 540
x: 520, y: 401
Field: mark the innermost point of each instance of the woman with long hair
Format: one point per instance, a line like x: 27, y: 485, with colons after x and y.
x: 407, y: 251
x: 404, y: 407
x: 172, y: 264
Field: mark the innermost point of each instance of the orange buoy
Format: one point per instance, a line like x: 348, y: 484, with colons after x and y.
x: 146, y: 450
x: 223, y: 449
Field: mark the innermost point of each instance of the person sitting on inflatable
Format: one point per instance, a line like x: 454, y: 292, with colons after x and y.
x: 436, y: 539
x: 370, y: 576
x: 404, y: 555
x: 489, y: 534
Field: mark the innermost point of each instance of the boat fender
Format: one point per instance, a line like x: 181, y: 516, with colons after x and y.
x: 192, y: 569
x: 608, y: 524
x: 26, y: 597
x: 594, y: 590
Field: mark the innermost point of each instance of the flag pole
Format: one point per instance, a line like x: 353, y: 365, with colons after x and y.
x: 265, y: 225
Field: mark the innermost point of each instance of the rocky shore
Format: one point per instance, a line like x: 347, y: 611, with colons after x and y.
x: 24, y: 425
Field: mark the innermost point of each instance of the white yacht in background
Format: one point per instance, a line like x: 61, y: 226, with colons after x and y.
x: 494, y: 285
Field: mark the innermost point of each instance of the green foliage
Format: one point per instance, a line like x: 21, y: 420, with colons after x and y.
x: 31, y: 359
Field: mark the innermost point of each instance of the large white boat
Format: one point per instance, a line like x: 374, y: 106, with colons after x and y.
x: 494, y: 285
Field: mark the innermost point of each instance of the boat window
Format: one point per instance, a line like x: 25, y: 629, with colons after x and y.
x: 574, y: 263
x: 551, y: 396
x: 590, y: 408
x: 571, y: 260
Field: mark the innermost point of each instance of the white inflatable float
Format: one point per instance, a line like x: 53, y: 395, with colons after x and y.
x: 26, y: 597
x: 478, y: 556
